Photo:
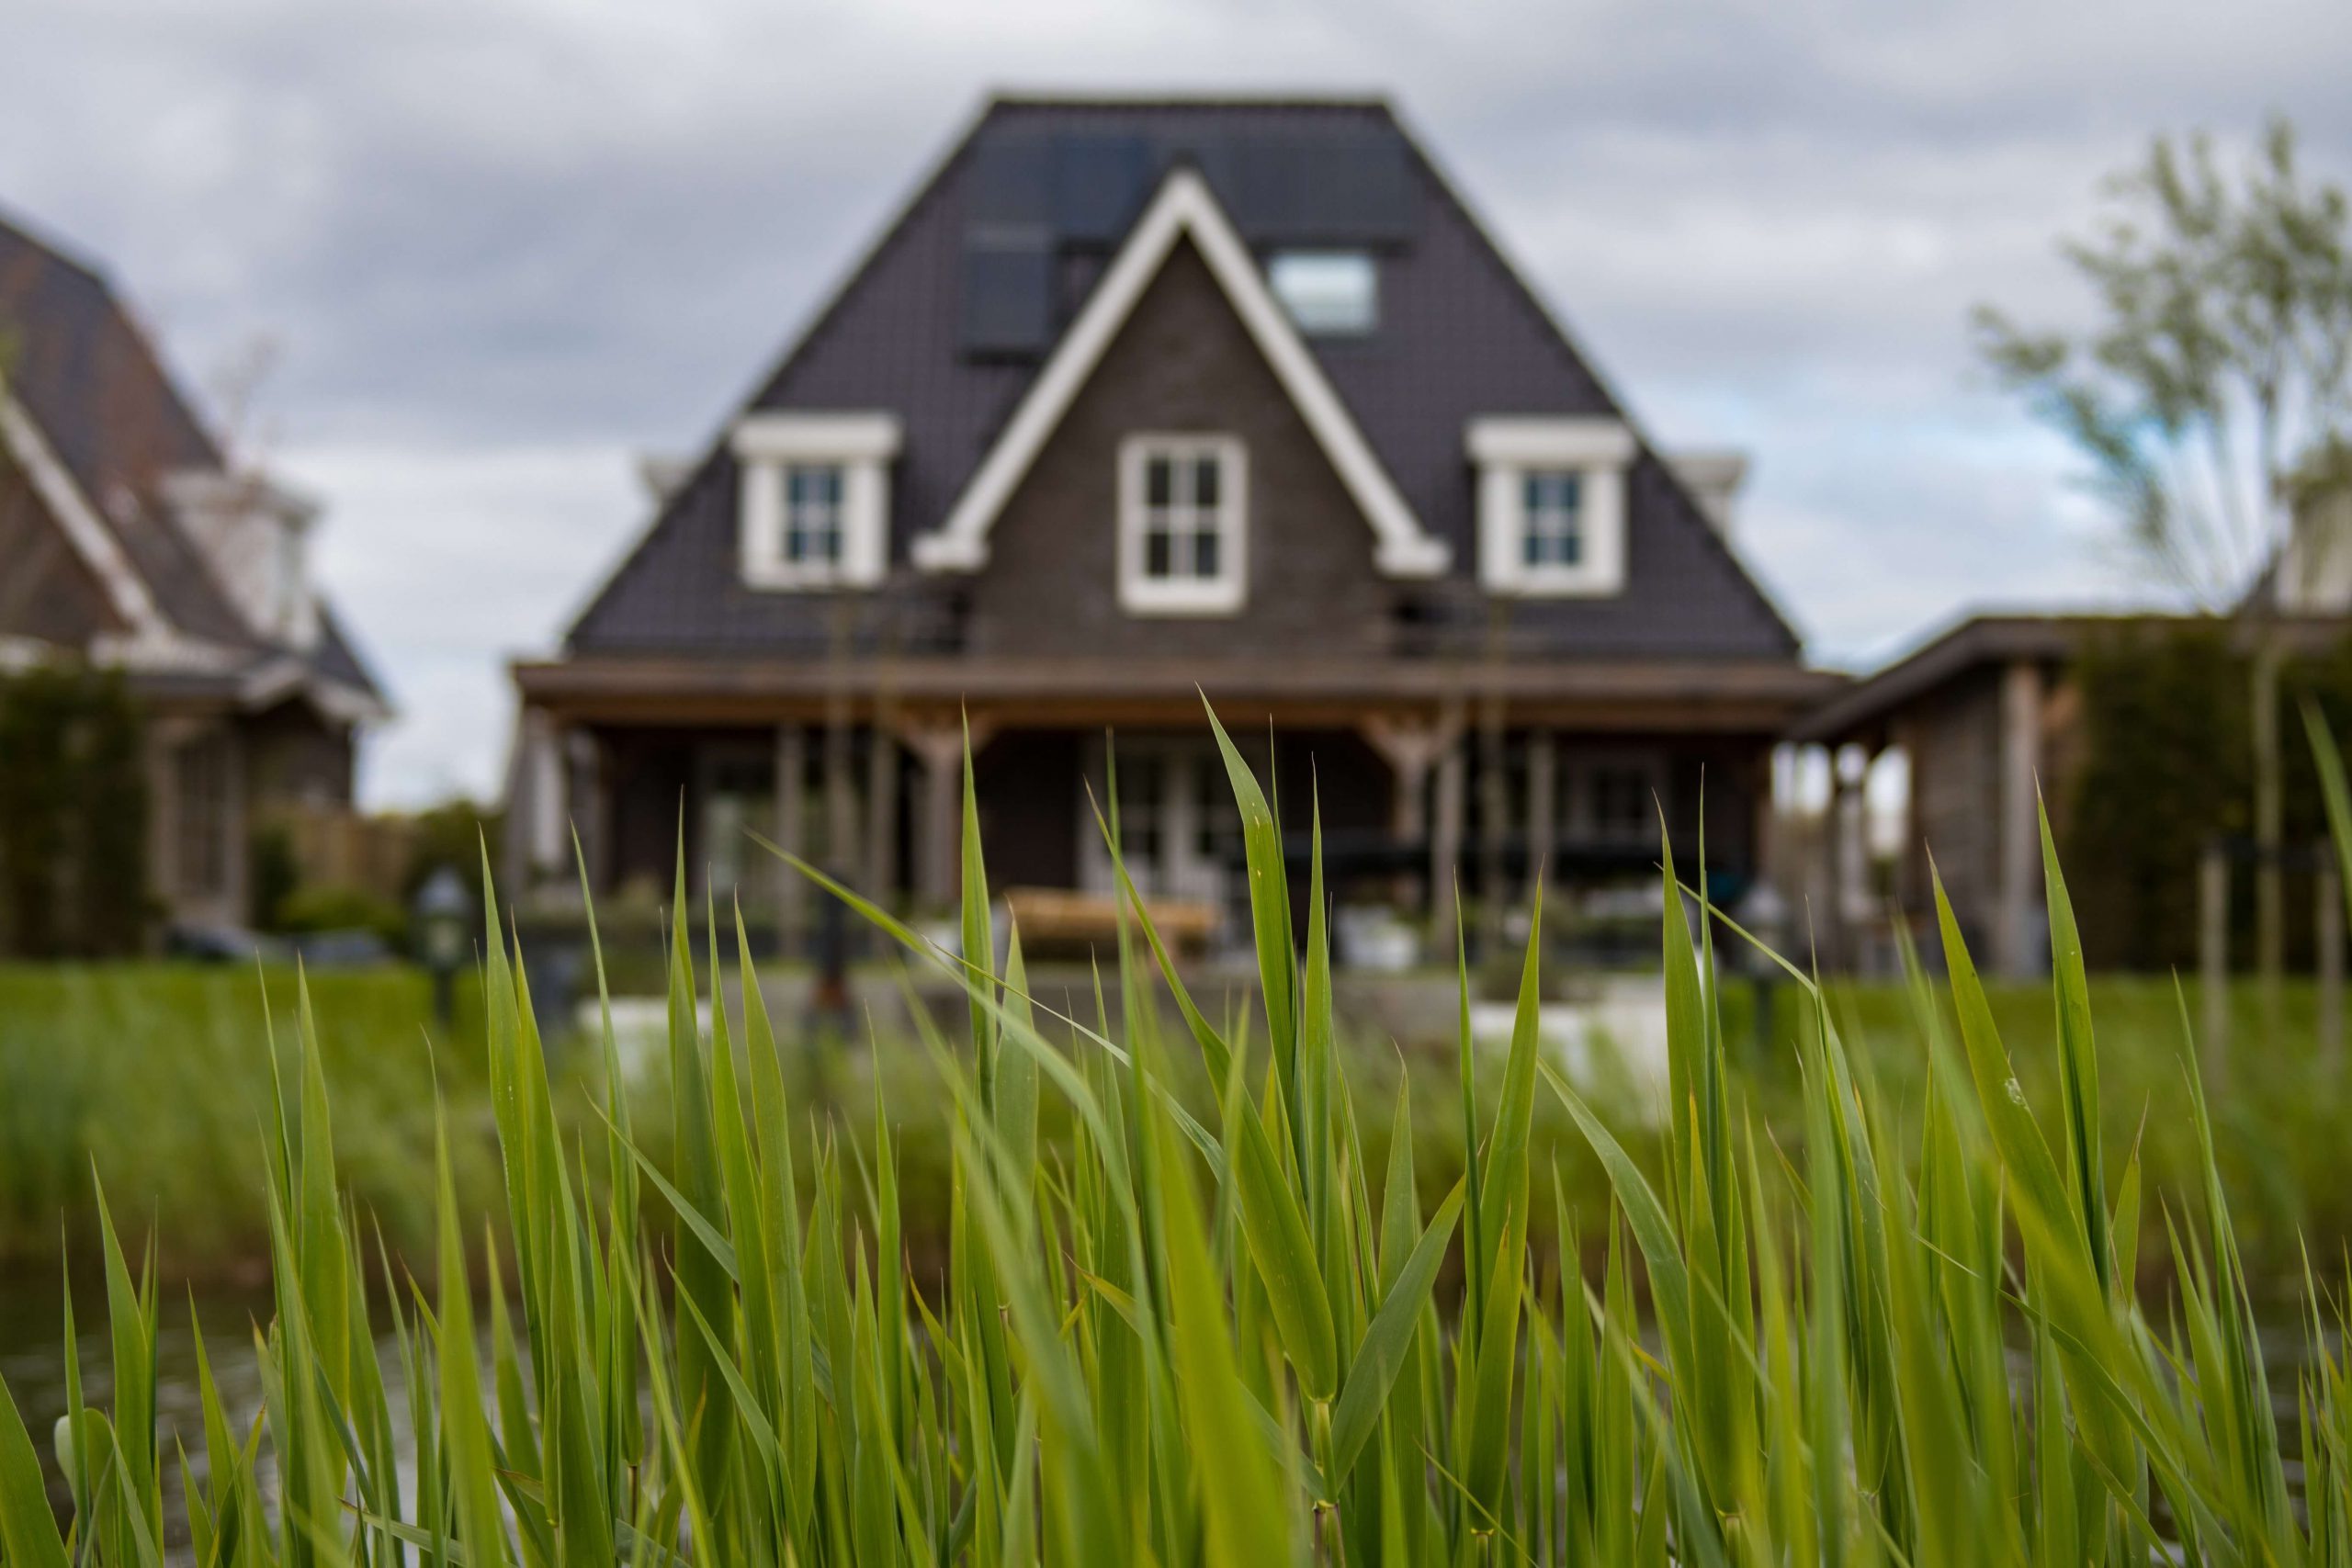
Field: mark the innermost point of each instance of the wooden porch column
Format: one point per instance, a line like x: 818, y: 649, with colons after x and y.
x: 2019, y: 877
x: 1445, y: 842
x: 1835, y: 850
x: 791, y: 812
x: 939, y: 750
x: 1412, y: 749
x: 584, y: 756
x: 542, y: 788
x: 881, y: 814
x: 840, y: 800
x: 1542, y: 810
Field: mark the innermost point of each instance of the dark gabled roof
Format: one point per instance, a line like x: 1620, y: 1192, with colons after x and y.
x: 1460, y: 336
x: 86, y: 373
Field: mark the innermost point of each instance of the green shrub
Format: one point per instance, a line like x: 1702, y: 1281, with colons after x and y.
x: 326, y: 906
x: 72, y: 815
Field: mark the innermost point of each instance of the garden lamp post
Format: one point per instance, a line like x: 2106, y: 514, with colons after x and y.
x: 442, y: 913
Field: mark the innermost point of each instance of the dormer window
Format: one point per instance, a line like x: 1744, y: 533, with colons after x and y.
x: 1182, y: 522
x: 812, y: 516
x: 1551, y: 505
x: 1553, y: 502
x: 815, y: 499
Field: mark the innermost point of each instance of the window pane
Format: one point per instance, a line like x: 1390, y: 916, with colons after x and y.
x: 1155, y: 553
x: 1159, y: 482
x: 1204, y: 552
x: 1204, y: 483
x: 1334, y: 292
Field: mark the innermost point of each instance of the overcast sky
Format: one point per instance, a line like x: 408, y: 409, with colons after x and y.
x: 499, y: 247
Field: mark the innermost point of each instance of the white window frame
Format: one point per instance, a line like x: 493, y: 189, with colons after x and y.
x: 1506, y: 452
x: 1223, y: 594
x: 767, y: 446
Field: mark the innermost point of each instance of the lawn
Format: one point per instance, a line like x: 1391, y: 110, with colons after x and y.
x: 159, y: 1076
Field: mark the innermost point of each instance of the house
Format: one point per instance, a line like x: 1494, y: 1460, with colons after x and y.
x: 128, y: 538
x: 1135, y: 402
x: 1986, y: 716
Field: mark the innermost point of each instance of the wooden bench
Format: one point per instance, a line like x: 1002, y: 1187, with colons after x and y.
x: 1061, y: 921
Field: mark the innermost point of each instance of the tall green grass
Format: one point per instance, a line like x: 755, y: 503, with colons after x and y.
x: 1228, y: 1337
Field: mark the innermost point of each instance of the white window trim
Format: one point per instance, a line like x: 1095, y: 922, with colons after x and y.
x: 1227, y: 593
x: 1506, y: 450
x: 862, y: 445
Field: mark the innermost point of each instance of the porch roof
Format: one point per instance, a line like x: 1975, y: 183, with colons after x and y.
x: 1759, y: 696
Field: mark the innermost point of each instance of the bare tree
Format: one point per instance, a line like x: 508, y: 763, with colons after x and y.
x: 2207, y: 396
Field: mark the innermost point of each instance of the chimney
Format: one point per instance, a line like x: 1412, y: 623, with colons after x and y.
x: 255, y: 535
x: 1713, y: 477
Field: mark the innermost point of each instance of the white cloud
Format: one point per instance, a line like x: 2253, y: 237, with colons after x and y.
x: 449, y: 561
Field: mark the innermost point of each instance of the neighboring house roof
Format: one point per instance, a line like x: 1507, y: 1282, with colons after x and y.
x: 108, y: 424
x: 1049, y: 189
x: 1989, y: 640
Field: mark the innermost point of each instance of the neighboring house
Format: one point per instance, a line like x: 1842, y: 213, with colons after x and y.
x: 1135, y: 401
x: 128, y: 539
x: 1985, y: 713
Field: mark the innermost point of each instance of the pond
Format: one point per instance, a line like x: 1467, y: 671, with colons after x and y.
x: 32, y: 1364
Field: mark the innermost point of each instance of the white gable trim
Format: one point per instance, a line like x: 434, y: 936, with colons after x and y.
x: 1183, y: 206
x: 125, y: 590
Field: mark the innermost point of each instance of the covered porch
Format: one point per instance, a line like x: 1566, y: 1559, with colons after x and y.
x: 1430, y: 785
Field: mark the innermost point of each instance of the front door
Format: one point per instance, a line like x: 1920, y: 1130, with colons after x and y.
x: 1178, y: 831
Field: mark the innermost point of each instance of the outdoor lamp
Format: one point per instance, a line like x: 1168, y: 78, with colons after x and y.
x: 443, y: 912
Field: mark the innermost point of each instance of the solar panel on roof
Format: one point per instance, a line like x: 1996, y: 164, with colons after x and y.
x: 1007, y: 278
x: 1100, y: 183
x: 1012, y: 177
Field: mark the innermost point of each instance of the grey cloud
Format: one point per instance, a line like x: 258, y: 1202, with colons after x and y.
x: 488, y: 233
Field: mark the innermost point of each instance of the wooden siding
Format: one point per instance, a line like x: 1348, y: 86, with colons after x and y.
x: 1953, y: 737
x: 1183, y: 363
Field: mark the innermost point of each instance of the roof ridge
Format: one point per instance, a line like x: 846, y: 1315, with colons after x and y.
x: 1206, y: 100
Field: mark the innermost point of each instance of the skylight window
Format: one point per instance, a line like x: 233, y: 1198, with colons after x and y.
x: 1327, y: 293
